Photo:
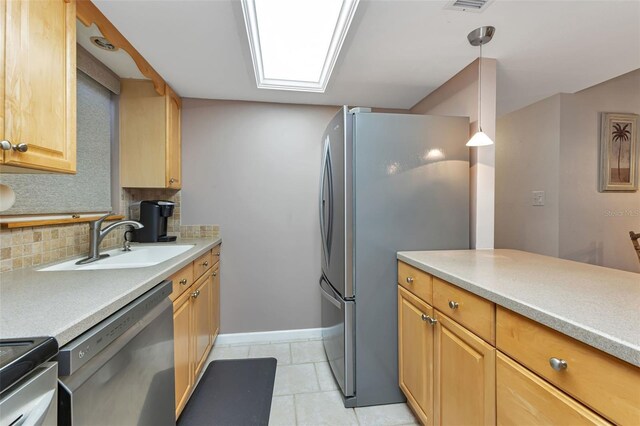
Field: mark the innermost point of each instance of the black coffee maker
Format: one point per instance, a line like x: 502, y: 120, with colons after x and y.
x: 153, y: 215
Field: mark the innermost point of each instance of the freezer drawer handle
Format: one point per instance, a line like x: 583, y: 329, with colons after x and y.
x: 330, y: 298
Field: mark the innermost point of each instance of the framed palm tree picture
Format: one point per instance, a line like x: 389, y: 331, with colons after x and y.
x: 619, y: 152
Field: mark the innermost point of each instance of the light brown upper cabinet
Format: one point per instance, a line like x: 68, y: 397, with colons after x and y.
x: 38, y: 85
x: 150, y: 146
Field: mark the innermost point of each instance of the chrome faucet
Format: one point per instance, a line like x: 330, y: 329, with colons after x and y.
x: 97, y: 234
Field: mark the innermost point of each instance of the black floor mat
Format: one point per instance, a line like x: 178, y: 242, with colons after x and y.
x: 234, y: 392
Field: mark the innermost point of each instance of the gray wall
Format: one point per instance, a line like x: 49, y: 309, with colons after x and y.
x: 89, y: 189
x: 527, y: 159
x: 554, y: 145
x: 254, y: 169
x: 587, y: 232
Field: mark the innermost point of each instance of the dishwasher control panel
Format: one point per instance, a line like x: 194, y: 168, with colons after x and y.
x: 79, y: 351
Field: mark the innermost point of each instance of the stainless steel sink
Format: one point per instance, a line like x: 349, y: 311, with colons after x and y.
x: 138, y: 257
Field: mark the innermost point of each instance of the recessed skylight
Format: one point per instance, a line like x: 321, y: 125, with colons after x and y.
x: 295, y: 43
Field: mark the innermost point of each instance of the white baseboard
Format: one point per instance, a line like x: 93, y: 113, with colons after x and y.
x: 269, y: 336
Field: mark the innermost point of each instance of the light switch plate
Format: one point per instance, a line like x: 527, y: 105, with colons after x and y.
x: 538, y: 198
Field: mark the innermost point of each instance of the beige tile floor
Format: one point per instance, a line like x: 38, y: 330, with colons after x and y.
x: 305, y: 392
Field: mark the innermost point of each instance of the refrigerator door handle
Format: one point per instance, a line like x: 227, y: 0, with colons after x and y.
x: 329, y: 237
x: 325, y: 169
x: 330, y: 295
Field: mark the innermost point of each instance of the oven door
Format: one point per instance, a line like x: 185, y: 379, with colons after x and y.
x: 338, y: 336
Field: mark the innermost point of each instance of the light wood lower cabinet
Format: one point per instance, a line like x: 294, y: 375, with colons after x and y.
x: 196, y: 322
x: 182, y: 354
x: 608, y: 385
x: 215, y: 302
x: 464, y: 376
x: 454, y: 375
x: 415, y: 343
x: 202, y: 319
x: 526, y: 399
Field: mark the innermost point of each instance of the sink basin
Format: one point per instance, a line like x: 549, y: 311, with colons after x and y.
x: 138, y: 257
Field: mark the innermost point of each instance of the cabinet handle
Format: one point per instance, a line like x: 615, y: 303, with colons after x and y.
x: 215, y: 273
x: 558, y: 364
x: 6, y: 146
x: 453, y: 305
x: 195, y: 294
x: 172, y: 180
x: 428, y: 319
x: 183, y: 281
x: 205, y: 263
x: 410, y: 280
x: 218, y: 254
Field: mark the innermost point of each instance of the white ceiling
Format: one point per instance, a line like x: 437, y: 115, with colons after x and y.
x: 396, y: 51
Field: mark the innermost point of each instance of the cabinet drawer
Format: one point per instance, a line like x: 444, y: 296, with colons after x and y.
x: 606, y: 384
x: 416, y: 281
x: 216, y: 254
x: 202, y: 264
x: 524, y: 398
x: 181, y: 281
x: 473, y: 312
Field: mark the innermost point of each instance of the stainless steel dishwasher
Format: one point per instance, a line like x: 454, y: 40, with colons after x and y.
x: 121, y: 371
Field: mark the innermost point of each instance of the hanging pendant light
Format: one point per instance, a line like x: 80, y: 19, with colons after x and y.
x: 478, y: 37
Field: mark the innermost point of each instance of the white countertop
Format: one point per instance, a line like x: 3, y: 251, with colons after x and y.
x: 64, y: 304
x: 595, y: 305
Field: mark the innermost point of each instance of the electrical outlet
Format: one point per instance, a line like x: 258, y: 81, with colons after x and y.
x: 538, y: 198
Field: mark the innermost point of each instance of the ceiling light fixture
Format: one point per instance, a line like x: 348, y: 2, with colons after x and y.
x: 103, y: 43
x: 478, y: 37
x: 295, y: 44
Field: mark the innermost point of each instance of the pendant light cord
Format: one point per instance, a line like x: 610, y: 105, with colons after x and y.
x: 480, y: 90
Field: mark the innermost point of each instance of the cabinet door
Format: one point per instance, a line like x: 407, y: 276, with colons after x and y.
x: 182, y: 350
x: 201, y: 299
x: 415, y: 353
x: 526, y: 399
x: 465, y: 367
x: 215, y: 304
x: 39, y: 108
x: 174, y: 144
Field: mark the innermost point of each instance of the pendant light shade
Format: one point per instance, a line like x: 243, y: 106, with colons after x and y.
x: 478, y: 37
x: 480, y: 139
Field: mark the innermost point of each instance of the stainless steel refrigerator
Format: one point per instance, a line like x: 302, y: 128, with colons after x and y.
x: 389, y: 182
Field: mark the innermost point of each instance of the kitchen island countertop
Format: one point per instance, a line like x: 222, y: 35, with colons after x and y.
x: 595, y: 305
x: 65, y: 304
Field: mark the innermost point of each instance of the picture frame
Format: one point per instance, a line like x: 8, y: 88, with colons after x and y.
x: 619, y: 152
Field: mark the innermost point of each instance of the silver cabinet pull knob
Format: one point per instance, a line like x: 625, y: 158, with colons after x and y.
x: 558, y: 364
x: 453, y: 305
x: 428, y: 319
x: 6, y: 146
x: 183, y: 281
x: 215, y: 273
x: 195, y: 294
x: 218, y: 254
x: 172, y: 180
x: 205, y: 263
x: 410, y: 280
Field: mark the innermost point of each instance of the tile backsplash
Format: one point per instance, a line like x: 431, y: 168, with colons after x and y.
x: 27, y: 247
